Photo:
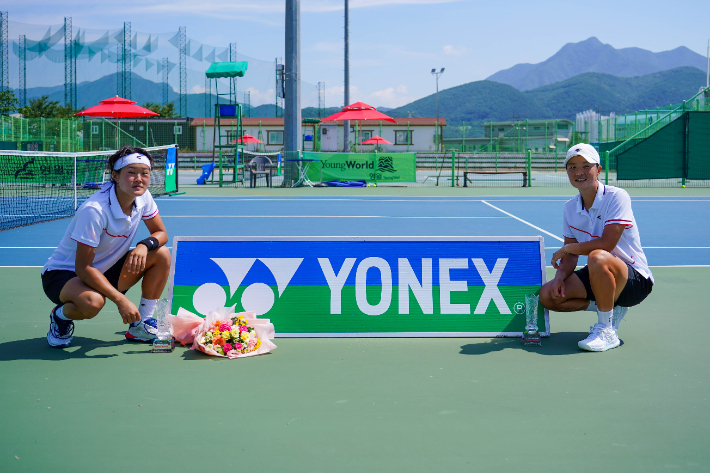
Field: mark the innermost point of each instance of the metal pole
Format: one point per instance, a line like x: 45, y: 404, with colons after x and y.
x: 75, y: 196
x: 292, y: 79
x: 346, y: 95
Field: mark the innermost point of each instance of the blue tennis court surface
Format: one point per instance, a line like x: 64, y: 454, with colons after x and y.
x: 673, y: 229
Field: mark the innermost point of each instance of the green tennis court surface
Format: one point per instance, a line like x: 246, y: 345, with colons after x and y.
x: 325, y: 405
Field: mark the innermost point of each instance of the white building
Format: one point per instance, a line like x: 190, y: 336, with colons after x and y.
x: 407, y: 134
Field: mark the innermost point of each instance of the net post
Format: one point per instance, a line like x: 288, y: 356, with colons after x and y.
x: 529, y: 162
x: 75, y: 183
x: 606, y: 168
x: 220, y: 167
x: 453, y: 168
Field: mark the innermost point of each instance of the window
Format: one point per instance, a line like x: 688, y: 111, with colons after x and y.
x: 95, y: 129
x: 401, y: 138
x: 140, y: 128
x: 536, y: 128
x: 177, y: 130
x: 275, y: 137
x: 366, y: 135
x: 562, y: 126
x: 501, y: 129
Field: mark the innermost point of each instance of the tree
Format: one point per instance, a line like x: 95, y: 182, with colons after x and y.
x: 8, y: 102
x: 45, y: 108
x: 165, y: 111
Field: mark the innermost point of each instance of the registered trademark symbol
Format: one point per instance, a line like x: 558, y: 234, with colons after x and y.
x: 519, y: 307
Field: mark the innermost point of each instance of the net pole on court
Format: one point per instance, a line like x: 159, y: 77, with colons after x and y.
x: 75, y: 180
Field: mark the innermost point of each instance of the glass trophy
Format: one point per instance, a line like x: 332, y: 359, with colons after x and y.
x: 164, y: 343
x: 531, y: 335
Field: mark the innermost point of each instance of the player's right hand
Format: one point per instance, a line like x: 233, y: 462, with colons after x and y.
x: 557, y: 289
x: 129, y: 311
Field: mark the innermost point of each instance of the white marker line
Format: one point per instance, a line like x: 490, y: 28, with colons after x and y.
x: 26, y: 247
x: 677, y: 247
x: 310, y: 216
x: 526, y: 223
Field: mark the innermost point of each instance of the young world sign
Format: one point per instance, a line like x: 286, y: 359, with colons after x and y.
x: 354, y: 286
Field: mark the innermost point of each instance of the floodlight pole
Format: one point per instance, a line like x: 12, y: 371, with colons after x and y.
x: 292, y: 78
x: 436, y: 131
x: 346, y: 96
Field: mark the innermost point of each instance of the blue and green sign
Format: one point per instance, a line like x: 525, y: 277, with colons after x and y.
x: 350, y: 286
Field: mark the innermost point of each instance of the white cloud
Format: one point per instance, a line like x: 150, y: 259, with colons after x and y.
x: 256, y: 97
x: 454, y: 50
x: 197, y: 89
x: 391, y: 97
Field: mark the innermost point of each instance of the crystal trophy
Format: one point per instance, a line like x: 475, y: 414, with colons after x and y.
x: 531, y: 336
x: 164, y: 343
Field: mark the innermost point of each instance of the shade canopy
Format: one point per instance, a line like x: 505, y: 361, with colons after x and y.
x: 359, y: 111
x: 246, y: 138
x: 376, y: 140
x: 117, y: 107
x: 219, y: 70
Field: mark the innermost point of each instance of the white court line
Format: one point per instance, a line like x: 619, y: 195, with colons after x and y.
x: 521, y: 220
x: 309, y: 216
x: 666, y: 248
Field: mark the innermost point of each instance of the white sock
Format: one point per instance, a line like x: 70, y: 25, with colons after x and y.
x: 147, y: 308
x: 60, y: 314
x: 605, y: 317
x: 592, y: 306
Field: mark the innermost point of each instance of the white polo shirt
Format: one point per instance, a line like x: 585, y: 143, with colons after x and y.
x: 101, y: 224
x: 612, y: 205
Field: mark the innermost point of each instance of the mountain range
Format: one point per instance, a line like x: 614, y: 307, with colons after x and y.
x: 482, y: 101
x: 591, y: 55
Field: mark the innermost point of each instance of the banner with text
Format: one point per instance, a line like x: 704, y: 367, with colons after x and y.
x: 376, y: 167
x: 352, y: 286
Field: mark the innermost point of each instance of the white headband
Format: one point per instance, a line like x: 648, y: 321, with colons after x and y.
x: 135, y: 158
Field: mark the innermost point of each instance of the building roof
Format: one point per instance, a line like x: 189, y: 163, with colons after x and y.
x: 401, y: 121
x: 530, y: 122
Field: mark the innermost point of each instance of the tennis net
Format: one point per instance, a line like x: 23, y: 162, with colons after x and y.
x: 37, y: 186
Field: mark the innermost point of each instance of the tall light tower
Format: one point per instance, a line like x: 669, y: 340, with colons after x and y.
x: 437, y: 74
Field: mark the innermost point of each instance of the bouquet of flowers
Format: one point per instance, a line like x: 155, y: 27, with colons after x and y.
x: 224, y: 333
x: 232, y: 337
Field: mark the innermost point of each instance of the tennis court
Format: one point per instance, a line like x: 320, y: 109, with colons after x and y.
x: 459, y: 404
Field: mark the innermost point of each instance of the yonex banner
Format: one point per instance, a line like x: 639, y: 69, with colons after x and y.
x: 171, y: 184
x: 379, y: 167
x: 361, y: 286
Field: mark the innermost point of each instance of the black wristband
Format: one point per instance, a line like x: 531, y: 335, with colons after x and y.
x: 151, y: 243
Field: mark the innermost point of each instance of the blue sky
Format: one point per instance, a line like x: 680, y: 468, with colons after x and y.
x: 396, y: 43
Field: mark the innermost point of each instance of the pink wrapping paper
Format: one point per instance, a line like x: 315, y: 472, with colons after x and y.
x: 187, y: 328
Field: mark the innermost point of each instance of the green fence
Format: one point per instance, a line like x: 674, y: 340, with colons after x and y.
x: 101, y: 134
x: 40, y: 134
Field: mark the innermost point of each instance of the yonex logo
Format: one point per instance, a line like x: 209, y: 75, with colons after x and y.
x: 258, y: 297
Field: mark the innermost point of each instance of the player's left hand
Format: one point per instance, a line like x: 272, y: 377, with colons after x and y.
x: 135, y: 262
x: 559, y: 255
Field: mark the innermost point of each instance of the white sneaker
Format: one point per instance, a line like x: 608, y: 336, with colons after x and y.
x: 601, y: 338
x: 144, y: 331
x: 60, y: 332
x: 619, y: 313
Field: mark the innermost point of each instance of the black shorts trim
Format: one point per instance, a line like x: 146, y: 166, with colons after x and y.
x: 636, y: 290
x: 53, y: 281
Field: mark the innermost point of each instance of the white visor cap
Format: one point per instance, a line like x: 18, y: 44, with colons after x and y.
x: 584, y: 150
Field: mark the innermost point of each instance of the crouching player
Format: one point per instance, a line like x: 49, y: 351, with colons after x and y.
x: 598, y: 222
x: 94, y: 261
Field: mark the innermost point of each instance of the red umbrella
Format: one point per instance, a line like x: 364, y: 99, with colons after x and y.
x: 117, y: 107
x: 376, y: 140
x: 359, y: 111
x: 246, y: 138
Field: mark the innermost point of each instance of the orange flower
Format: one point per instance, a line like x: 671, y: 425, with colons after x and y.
x: 218, y: 341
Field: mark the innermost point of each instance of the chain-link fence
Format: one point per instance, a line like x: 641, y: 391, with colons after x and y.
x: 40, y: 134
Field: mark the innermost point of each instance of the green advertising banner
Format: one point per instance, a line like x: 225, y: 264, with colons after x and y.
x: 377, y: 167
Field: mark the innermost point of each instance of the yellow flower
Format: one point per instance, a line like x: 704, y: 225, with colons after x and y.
x: 235, y: 333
